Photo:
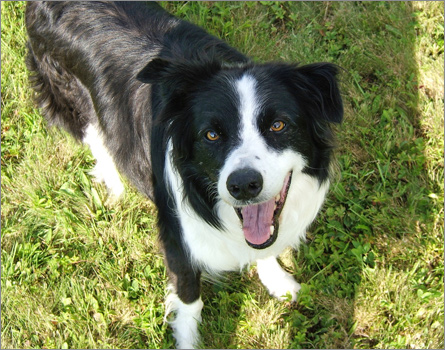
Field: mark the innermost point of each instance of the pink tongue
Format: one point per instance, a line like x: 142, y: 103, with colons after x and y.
x: 257, y: 220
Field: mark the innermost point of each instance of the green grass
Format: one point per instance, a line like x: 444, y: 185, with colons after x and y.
x: 79, y: 271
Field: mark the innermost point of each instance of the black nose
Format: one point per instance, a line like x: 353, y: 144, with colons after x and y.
x: 245, y: 184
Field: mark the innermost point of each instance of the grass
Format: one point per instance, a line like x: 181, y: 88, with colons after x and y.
x: 81, y: 272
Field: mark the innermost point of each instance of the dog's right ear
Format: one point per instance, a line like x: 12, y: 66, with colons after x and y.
x: 178, y: 75
x: 154, y: 71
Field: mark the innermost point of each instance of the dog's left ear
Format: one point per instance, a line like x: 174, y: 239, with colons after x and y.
x: 317, y: 84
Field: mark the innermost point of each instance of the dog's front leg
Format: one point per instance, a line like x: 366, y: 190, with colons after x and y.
x: 184, y: 298
x: 187, y: 319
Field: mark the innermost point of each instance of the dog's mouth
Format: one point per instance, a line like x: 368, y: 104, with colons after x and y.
x: 261, y: 221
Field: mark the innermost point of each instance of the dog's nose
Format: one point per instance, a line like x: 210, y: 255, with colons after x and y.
x: 245, y: 184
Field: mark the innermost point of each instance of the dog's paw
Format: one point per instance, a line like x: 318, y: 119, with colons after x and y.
x: 284, y: 288
x: 111, y: 180
x: 97, y: 174
x: 279, y: 283
x: 186, y: 321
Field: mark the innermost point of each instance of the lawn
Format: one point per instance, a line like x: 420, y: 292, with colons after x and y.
x: 81, y: 271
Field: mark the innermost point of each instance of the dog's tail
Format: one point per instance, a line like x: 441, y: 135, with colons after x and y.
x: 62, y: 98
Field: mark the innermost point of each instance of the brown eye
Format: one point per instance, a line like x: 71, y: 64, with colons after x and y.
x: 212, y: 135
x: 277, y: 126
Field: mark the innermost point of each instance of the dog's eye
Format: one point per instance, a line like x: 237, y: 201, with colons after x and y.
x: 212, y: 135
x: 277, y: 126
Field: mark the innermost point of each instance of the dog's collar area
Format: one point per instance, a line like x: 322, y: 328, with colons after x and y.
x: 274, y: 222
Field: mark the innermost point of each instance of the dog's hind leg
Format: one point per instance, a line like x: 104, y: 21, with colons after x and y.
x: 66, y: 102
x: 278, y: 282
x: 105, y: 169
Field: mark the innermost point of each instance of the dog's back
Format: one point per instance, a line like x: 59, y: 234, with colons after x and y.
x: 77, y: 44
x: 84, y: 58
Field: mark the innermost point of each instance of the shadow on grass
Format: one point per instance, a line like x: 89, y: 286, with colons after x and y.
x: 362, y: 254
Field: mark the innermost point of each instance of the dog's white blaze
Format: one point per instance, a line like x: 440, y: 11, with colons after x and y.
x: 105, y: 169
x: 245, y: 154
x: 249, y: 105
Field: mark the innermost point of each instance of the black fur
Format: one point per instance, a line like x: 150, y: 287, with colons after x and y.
x: 147, y: 81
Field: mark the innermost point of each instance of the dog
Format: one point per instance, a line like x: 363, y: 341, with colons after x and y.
x: 236, y: 155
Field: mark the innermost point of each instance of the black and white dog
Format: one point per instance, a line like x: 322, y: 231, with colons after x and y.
x: 236, y: 155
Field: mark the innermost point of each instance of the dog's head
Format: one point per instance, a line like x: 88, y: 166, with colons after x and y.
x: 240, y: 134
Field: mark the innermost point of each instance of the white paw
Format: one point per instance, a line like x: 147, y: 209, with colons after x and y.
x: 187, y: 319
x: 105, y: 169
x: 285, y: 287
x: 97, y: 175
x: 111, y: 180
x: 279, y: 283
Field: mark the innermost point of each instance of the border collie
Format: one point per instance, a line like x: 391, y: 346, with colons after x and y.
x: 236, y: 155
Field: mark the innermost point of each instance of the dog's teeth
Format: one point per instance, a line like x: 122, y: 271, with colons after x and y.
x: 272, y: 229
x: 277, y: 198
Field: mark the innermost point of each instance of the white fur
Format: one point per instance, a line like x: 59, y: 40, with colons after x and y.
x: 105, y: 169
x: 185, y: 324
x: 278, y: 282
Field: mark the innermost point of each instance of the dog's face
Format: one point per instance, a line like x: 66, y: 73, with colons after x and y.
x: 239, y: 134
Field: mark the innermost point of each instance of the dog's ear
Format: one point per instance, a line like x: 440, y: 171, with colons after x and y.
x: 317, y: 85
x: 178, y: 75
x: 154, y: 71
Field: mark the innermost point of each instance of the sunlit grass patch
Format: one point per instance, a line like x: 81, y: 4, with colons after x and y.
x: 81, y: 271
